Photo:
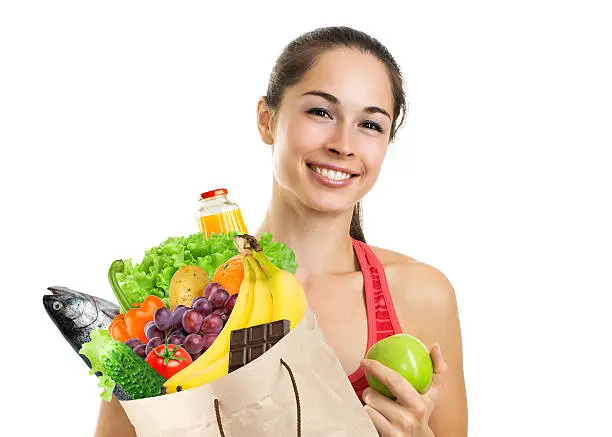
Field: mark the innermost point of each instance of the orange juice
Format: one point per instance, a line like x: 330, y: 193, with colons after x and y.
x: 222, y: 222
x: 217, y: 214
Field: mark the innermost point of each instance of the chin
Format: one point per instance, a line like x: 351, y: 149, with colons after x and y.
x: 328, y: 202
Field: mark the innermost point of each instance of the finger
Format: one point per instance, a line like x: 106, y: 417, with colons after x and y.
x: 440, y: 367
x: 396, y: 414
x: 403, y: 391
x: 439, y: 364
x: 382, y: 425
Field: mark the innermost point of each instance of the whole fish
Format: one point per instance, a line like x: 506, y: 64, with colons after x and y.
x: 76, y: 315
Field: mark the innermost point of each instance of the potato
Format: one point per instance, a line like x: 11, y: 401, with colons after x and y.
x: 187, y: 283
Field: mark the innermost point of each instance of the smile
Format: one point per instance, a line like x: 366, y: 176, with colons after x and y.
x: 335, y: 177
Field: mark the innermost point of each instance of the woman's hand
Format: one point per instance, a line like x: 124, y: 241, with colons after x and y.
x: 408, y: 415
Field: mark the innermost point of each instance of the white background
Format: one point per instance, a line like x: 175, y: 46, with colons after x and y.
x: 114, y: 116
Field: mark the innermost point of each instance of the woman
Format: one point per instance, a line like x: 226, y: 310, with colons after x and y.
x: 331, y: 109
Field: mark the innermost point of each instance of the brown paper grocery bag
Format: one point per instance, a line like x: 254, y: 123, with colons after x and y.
x: 297, y: 388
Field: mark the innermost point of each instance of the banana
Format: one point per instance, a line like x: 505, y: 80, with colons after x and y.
x: 216, y: 370
x: 238, y: 319
x: 262, y: 303
x: 288, y: 297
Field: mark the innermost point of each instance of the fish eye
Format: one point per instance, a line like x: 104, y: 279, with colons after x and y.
x: 57, y: 305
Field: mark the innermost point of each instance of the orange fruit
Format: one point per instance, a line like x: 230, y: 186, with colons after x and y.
x: 230, y: 275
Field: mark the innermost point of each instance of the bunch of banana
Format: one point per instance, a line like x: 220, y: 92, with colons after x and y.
x: 264, y: 296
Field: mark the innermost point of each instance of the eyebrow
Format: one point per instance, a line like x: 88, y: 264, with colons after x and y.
x: 333, y: 99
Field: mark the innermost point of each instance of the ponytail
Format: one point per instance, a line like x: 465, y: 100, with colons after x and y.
x: 356, y: 230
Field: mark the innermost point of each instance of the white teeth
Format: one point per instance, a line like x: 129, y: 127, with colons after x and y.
x: 332, y: 174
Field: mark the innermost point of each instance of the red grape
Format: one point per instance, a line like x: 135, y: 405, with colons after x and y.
x: 221, y: 313
x: 153, y: 331
x: 177, y: 337
x: 218, y: 298
x: 203, y: 306
x: 177, y: 317
x: 133, y: 342
x: 209, y: 339
x: 152, y: 344
x: 192, y: 321
x: 229, y: 305
x: 196, y: 356
x: 212, y: 286
x: 141, y: 350
x: 213, y: 324
x: 163, y: 318
x: 194, y: 343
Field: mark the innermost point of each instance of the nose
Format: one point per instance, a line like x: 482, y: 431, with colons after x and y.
x: 340, y: 145
x: 342, y: 151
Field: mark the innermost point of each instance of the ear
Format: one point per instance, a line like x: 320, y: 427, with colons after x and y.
x: 265, y: 122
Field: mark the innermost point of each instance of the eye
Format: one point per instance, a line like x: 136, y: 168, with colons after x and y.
x: 57, y: 305
x: 375, y: 126
x: 318, y: 111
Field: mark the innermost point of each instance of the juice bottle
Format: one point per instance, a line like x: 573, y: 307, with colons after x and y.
x: 219, y: 215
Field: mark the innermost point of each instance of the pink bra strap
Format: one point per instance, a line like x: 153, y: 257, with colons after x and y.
x: 369, y: 292
x: 373, y: 261
x: 386, y: 293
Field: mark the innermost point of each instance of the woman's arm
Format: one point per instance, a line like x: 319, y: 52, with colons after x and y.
x: 112, y: 421
x: 449, y: 417
x: 426, y: 306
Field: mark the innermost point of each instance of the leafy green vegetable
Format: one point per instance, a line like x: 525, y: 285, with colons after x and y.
x: 278, y: 253
x: 153, y: 274
x: 107, y: 385
x: 93, y: 351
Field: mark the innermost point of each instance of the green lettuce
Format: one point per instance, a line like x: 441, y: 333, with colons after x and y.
x: 154, y: 273
x: 98, y: 339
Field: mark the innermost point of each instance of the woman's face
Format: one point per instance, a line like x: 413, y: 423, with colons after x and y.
x: 332, y: 130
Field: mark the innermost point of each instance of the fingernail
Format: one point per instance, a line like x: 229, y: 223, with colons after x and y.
x: 365, y: 394
x: 365, y: 363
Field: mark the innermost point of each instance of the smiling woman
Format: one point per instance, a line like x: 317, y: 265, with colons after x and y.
x: 335, y: 101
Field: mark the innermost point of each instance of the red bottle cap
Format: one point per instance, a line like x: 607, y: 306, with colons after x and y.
x: 213, y: 193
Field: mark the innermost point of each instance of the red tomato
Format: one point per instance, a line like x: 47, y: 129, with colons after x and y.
x: 168, y: 359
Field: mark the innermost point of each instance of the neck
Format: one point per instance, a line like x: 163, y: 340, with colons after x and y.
x: 321, y: 241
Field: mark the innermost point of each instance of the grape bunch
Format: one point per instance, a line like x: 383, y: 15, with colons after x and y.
x: 195, y: 328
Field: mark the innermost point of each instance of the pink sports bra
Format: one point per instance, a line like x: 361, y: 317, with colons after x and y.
x: 382, y: 319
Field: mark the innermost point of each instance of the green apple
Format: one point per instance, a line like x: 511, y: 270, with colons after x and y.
x: 405, y: 354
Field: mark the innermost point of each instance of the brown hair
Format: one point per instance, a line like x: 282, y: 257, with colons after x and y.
x: 301, y: 54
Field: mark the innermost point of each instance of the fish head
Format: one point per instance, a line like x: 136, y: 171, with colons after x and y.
x: 69, y: 309
x: 77, y: 314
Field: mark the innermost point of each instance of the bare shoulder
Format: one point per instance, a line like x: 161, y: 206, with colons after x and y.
x: 407, y: 271
x: 388, y: 257
x: 421, y: 293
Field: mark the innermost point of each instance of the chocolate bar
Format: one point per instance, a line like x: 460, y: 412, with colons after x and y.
x: 246, y: 344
